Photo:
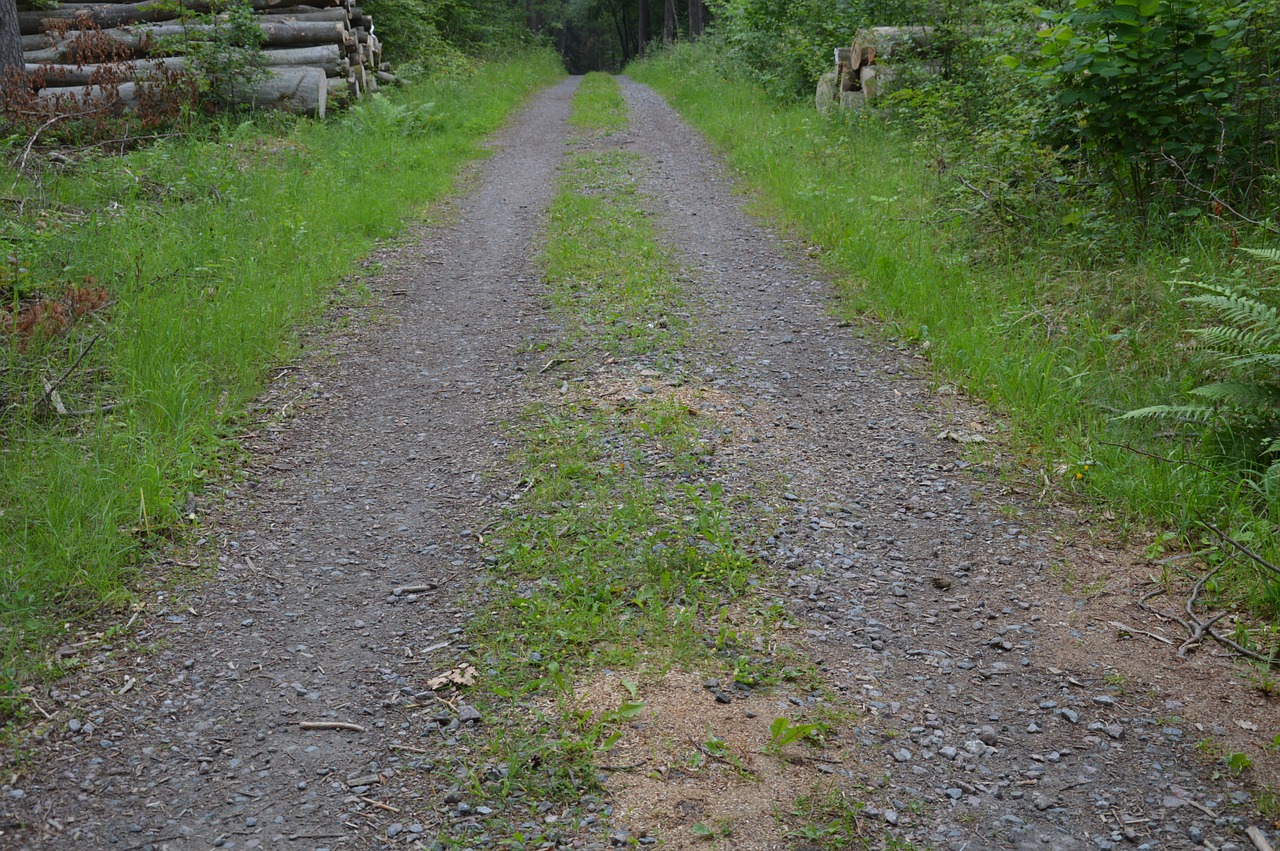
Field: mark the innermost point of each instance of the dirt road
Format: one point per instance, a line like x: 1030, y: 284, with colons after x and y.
x: 997, y: 708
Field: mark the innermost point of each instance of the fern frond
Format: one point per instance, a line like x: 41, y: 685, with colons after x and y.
x: 1246, y: 396
x: 1270, y: 254
x: 1244, y: 311
x: 1199, y: 414
x: 1230, y: 342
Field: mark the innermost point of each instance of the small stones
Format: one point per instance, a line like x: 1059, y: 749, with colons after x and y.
x: 902, y: 755
x: 1070, y: 715
x: 1041, y: 802
x: 468, y: 714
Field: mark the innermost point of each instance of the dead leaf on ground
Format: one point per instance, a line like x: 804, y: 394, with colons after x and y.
x: 463, y: 675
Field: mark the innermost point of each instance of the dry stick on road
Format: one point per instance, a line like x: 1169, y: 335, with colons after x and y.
x: 330, y: 725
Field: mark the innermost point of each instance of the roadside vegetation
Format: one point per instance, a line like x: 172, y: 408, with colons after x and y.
x: 995, y: 212
x: 150, y: 294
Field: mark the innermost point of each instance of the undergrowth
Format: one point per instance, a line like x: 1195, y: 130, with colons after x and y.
x: 1063, y: 340
x: 208, y: 250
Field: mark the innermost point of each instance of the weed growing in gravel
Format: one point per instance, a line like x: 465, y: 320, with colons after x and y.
x: 602, y: 261
x: 827, y: 818
x: 598, y: 105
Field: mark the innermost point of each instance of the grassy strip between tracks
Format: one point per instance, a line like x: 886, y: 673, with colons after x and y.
x: 1061, y: 341
x: 598, y: 105
x: 621, y: 554
x: 211, y: 247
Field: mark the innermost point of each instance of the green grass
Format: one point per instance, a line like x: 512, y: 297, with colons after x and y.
x: 1059, y: 339
x: 598, y: 105
x: 213, y: 248
x: 603, y: 262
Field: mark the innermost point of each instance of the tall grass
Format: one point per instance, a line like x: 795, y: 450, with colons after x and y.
x: 213, y: 247
x: 1059, y: 339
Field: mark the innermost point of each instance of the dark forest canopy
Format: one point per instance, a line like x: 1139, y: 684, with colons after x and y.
x: 590, y: 34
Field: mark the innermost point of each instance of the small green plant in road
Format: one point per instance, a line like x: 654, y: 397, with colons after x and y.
x: 1237, y: 763
x: 603, y: 261
x: 599, y: 105
x: 783, y: 731
x: 827, y: 819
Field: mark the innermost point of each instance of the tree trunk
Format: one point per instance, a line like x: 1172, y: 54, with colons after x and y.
x: 10, y: 41
x: 696, y: 26
x: 643, y: 27
x: 669, y: 22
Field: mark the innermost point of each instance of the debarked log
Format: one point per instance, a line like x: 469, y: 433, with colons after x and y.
x: 299, y: 90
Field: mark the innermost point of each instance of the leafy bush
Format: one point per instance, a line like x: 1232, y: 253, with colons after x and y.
x: 227, y: 57
x: 1148, y: 87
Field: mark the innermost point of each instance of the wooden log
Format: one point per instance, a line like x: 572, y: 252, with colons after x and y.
x: 316, y: 15
x: 867, y: 76
x: 193, y: 5
x: 885, y: 41
x: 105, y: 16
x: 300, y: 90
x: 55, y: 76
x: 824, y: 98
x: 325, y: 56
x: 390, y: 79
x: 276, y: 33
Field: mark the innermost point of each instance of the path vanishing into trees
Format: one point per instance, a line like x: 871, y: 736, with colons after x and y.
x: 278, y: 699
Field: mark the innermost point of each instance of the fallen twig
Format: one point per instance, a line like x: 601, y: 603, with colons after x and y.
x: 330, y: 725
x: 1258, y: 838
x: 412, y: 589
x: 1257, y: 559
x: 379, y: 804
x: 50, y: 389
x: 1175, y: 461
x: 1129, y: 629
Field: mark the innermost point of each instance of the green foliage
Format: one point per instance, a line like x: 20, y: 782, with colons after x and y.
x: 380, y: 115
x: 226, y: 58
x: 410, y: 35
x: 785, y: 45
x: 1150, y: 87
x: 1245, y: 346
x: 783, y: 731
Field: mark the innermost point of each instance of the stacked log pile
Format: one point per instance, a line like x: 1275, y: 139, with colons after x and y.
x: 860, y: 72
x: 317, y: 53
